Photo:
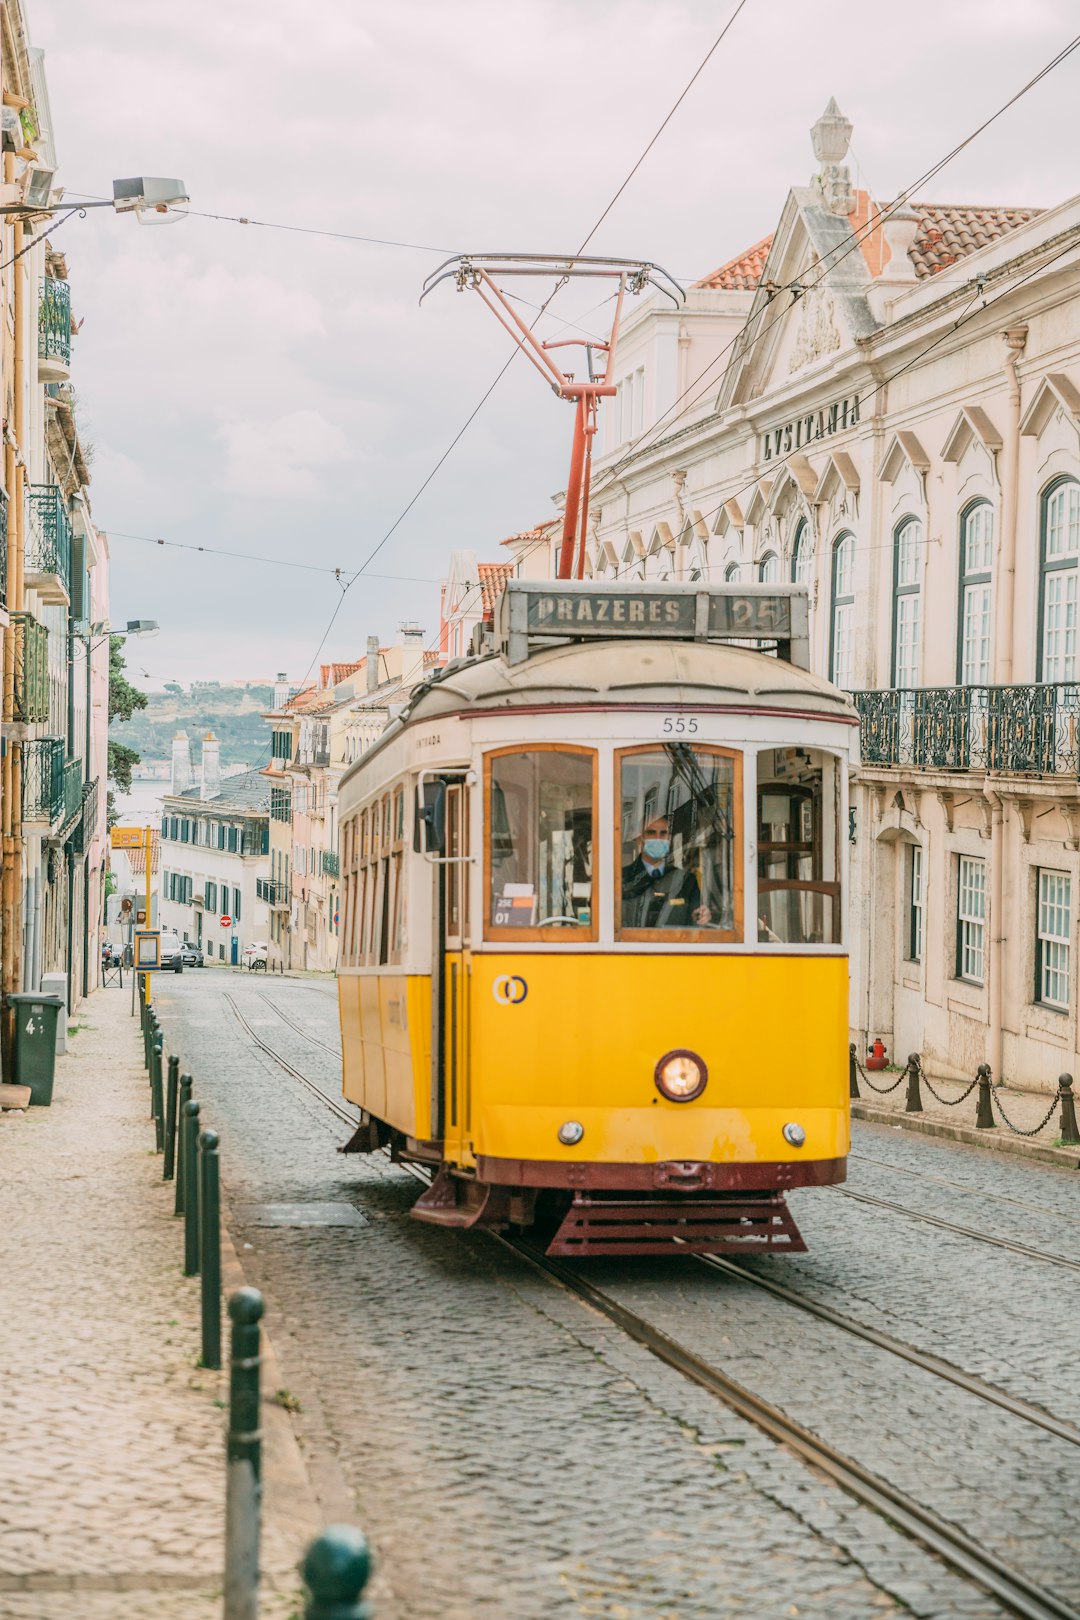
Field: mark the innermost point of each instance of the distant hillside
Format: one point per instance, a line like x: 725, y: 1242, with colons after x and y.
x: 233, y: 713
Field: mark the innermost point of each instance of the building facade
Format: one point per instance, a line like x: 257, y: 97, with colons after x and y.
x: 53, y: 579
x: 215, y: 859
x: 884, y: 406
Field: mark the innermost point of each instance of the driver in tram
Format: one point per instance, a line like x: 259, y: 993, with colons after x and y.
x: 655, y: 892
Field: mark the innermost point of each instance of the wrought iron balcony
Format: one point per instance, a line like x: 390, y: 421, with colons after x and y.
x: 48, y: 543
x: 83, y: 832
x: 73, y: 790
x: 275, y: 894
x: 31, y: 669
x: 1021, y: 730
x: 330, y: 864
x: 54, y: 330
x: 43, y: 779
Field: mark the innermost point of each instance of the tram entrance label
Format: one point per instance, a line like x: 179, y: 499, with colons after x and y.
x: 531, y: 615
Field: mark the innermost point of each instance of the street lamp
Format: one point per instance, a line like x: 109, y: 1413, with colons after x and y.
x: 33, y: 193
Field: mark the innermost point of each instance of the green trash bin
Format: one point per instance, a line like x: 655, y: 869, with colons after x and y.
x: 35, y: 1043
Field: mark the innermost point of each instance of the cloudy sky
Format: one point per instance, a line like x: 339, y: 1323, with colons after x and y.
x: 281, y: 394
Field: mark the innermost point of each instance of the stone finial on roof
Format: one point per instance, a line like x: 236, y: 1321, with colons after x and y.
x: 831, y: 137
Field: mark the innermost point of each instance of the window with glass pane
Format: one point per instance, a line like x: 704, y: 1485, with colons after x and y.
x: 976, y: 595
x: 1060, y: 556
x: 798, y: 847
x: 842, y: 653
x: 769, y: 569
x: 540, y: 841
x: 731, y: 574
x: 970, y: 919
x: 907, y: 566
x: 915, y: 902
x: 802, y: 556
x: 677, y: 861
x: 1052, y: 939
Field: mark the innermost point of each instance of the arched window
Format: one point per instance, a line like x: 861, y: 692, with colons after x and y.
x: 1060, y: 559
x: 769, y: 569
x: 802, y: 556
x: 976, y: 593
x: 907, y: 593
x: 842, y: 638
x: 731, y: 574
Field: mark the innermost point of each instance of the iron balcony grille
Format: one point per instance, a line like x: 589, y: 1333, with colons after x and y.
x: 1020, y: 730
x: 31, y: 669
x: 43, y: 779
x: 48, y: 539
x: 276, y: 895
x: 54, y: 321
x: 83, y: 831
x: 71, y: 798
x: 330, y: 862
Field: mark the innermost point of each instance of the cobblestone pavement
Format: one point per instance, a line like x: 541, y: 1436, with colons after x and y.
x: 510, y: 1452
x: 112, y: 1465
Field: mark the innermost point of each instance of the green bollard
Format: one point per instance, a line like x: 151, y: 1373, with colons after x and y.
x: 984, y: 1114
x: 157, y: 1100
x: 336, y: 1570
x: 189, y: 1115
x: 1068, y: 1131
x: 852, y: 1072
x: 913, y: 1104
x: 243, y: 1485
x: 210, y: 1246
x: 172, y: 1089
x: 181, y: 1186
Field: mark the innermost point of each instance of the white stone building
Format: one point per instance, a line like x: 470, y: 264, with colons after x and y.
x: 887, y: 409
x: 215, y: 858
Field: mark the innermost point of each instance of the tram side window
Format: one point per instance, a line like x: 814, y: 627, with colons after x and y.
x: 678, y: 871
x: 539, y: 807
x: 798, y: 847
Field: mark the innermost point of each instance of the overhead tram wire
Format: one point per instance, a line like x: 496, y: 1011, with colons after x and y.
x: 254, y: 557
x: 510, y: 360
x: 849, y: 243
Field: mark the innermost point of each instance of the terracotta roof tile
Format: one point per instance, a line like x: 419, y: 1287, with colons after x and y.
x: 741, y: 274
x: 493, y: 577
x: 950, y: 231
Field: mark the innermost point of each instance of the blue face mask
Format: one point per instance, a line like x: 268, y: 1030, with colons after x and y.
x: 656, y: 849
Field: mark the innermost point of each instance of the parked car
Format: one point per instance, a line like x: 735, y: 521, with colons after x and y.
x: 191, y: 954
x: 172, y: 953
x: 255, y: 958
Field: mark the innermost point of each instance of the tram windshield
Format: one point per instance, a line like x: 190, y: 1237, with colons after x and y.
x: 798, y: 847
x: 540, y: 826
x: 677, y: 873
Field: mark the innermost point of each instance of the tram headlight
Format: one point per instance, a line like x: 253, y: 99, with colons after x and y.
x: 794, y: 1135
x: 681, y: 1076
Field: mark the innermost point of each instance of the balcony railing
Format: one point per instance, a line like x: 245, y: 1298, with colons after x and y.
x: 43, y: 779
x: 83, y: 831
x: 54, y: 326
x: 31, y: 669
x: 330, y: 863
x: 1023, y: 730
x: 48, y: 539
x: 275, y: 894
x: 72, y: 790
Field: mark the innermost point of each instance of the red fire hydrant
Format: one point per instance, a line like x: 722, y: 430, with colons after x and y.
x: 875, y: 1058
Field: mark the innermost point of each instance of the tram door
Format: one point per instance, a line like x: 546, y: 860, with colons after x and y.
x: 457, y: 1099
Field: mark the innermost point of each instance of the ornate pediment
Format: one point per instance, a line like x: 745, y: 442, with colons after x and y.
x: 1056, y: 392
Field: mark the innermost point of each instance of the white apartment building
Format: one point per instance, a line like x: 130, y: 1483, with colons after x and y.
x: 888, y: 411
x: 215, y: 858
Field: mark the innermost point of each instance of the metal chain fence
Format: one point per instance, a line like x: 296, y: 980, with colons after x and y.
x: 995, y: 1091
x: 882, y: 1091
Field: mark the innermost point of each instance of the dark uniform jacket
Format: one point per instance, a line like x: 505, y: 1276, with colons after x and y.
x: 666, y: 899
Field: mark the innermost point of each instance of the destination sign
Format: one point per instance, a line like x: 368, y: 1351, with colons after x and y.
x: 533, y: 615
x: 574, y: 611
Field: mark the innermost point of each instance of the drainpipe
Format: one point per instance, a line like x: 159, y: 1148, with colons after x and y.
x: 1015, y: 339
x: 995, y: 988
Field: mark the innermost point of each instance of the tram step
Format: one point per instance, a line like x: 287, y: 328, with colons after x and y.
x: 594, y: 1226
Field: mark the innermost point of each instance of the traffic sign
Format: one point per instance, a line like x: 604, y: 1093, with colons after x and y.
x: 128, y: 837
x: 226, y: 922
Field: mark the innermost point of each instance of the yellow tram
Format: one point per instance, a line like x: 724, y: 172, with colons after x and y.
x: 593, y: 965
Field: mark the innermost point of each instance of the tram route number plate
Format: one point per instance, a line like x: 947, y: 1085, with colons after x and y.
x: 656, y: 613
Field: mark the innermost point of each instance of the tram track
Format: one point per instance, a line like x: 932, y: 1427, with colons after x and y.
x: 957, y: 1549
x: 960, y: 1186
x: 1009, y: 1244
x: 335, y: 1051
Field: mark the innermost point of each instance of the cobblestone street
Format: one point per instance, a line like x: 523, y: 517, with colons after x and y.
x: 495, y: 1436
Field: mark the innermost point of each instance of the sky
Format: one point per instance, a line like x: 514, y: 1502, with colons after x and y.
x: 283, y: 394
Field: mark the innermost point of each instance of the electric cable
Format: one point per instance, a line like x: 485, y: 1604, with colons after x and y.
x: 254, y: 557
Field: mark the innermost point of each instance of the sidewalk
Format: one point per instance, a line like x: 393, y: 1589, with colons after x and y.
x: 112, y: 1471
x: 955, y: 1119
